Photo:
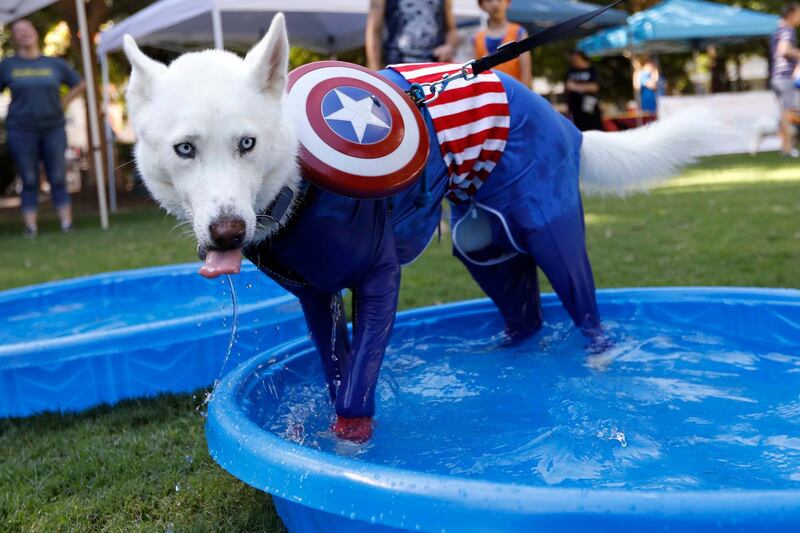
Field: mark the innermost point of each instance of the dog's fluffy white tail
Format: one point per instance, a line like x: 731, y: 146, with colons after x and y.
x: 634, y: 160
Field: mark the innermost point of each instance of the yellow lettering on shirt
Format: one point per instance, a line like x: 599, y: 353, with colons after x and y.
x: 31, y: 72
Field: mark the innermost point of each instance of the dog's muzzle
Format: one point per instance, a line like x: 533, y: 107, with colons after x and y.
x: 224, y: 253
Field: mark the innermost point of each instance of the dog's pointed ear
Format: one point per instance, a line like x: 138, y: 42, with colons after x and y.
x: 268, y: 61
x: 144, y: 73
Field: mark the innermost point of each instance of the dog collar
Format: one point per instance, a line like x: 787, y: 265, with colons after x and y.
x: 278, y: 213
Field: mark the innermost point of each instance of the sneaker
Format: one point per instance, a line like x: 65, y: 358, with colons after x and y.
x: 67, y: 228
x: 793, y: 153
x: 30, y: 232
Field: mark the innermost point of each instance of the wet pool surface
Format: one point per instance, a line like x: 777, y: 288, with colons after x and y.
x: 667, y: 407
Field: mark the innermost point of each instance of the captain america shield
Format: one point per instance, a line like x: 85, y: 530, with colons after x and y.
x: 360, y: 136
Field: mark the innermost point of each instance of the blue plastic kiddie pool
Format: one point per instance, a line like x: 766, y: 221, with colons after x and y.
x: 689, y: 422
x: 69, y: 345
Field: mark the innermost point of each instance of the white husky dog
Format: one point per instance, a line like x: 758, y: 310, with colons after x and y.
x: 216, y: 146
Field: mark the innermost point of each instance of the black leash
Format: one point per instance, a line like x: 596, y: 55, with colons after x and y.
x: 423, y: 93
x: 514, y: 49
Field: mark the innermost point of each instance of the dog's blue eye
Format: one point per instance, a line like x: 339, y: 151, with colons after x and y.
x: 185, y: 150
x: 246, y: 144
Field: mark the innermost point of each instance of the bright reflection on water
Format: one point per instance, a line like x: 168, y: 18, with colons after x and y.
x: 662, y: 409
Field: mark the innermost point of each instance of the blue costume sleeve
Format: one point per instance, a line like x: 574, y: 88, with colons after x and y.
x: 374, y: 308
x: 324, y: 314
x: 340, y: 243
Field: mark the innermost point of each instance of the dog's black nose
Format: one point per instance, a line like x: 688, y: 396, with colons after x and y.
x: 227, y: 232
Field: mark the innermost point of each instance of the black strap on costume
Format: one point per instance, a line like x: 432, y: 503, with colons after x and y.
x: 514, y: 49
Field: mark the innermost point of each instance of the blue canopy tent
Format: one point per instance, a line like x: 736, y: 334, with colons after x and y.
x: 544, y: 13
x: 679, y: 25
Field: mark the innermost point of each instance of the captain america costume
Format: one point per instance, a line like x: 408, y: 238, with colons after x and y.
x: 523, y: 191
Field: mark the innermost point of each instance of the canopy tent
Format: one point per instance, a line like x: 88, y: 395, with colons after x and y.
x: 679, y: 25
x: 545, y: 13
x: 11, y: 10
x: 319, y: 25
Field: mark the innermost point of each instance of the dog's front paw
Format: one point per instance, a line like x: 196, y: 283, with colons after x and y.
x: 353, y: 429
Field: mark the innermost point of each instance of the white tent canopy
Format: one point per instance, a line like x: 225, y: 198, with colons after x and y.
x: 326, y: 26
x: 11, y: 10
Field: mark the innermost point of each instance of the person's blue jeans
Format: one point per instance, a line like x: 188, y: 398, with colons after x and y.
x: 28, y: 147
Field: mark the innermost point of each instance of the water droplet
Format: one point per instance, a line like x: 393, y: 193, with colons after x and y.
x: 249, y: 285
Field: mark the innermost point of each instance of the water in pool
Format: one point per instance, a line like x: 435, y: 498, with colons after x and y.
x: 664, y: 408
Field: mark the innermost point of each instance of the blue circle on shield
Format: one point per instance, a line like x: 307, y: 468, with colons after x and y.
x: 356, y: 115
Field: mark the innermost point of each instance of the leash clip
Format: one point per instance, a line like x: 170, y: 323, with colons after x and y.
x: 467, y: 72
x: 425, y: 93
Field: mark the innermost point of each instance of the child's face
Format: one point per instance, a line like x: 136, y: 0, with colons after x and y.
x: 495, y: 8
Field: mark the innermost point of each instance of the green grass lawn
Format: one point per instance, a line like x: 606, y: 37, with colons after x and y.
x: 143, y: 465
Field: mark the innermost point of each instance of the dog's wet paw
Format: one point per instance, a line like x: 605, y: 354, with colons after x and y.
x: 353, y: 429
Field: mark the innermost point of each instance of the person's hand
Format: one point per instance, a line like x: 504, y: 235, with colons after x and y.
x: 443, y: 53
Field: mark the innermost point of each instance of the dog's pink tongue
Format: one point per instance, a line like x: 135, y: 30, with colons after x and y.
x: 218, y: 263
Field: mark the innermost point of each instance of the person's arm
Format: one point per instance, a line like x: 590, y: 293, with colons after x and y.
x: 583, y: 87
x: 636, y: 75
x: 785, y: 47
x: 445, y: 52
x: 73, y: 93
x: 71, y: 79
x: 525, y: 74
x: 374, y: 34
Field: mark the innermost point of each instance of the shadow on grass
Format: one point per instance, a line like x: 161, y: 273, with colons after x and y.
x: 131, y: 413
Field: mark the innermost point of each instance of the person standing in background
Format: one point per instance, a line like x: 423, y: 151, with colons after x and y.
x: 582, y: 91
x: 417, y: 31
x: 35, y: 121
x: 646, y: 83
x: 500, y: 31
x: 785, y: 56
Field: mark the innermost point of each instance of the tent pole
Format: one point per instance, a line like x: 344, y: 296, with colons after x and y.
x: 216, y: 23
x: 91, y: 101
x: 112, y: 182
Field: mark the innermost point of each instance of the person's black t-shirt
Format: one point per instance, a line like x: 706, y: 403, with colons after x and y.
x: 583, y: 108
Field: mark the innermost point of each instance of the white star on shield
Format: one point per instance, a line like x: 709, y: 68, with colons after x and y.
x: 358, y: 113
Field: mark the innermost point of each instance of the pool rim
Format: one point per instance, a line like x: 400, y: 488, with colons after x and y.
x: 18, y: 354
x: 280, y: 461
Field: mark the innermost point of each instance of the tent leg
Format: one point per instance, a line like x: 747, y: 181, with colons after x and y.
x: 216, y: 23
x: 91, y: 101
x: 112, y: 182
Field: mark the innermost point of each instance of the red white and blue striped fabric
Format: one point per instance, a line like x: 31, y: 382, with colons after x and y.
x: 471, y: 120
